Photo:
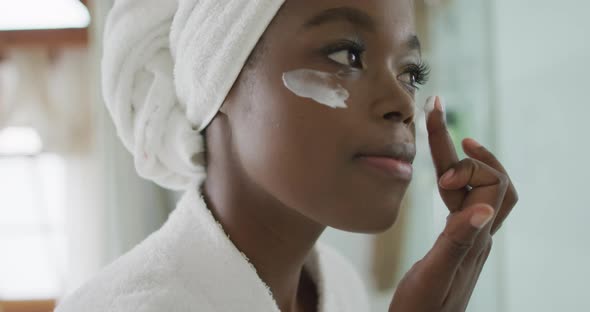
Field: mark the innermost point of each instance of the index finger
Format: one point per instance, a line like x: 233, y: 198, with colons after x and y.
x: 442, y: 149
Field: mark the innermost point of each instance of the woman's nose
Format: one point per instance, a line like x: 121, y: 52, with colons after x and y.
x: 394, y: 103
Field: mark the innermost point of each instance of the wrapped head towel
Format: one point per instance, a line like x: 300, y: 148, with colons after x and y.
x: 167, y: 67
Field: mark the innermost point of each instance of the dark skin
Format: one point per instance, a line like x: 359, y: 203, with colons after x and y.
x: 281, y: 168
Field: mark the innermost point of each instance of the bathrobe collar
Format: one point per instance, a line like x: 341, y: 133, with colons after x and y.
x: 191, y: 265
x: 227, y: 277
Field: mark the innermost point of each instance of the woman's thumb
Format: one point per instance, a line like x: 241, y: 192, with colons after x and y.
x: 457, y: 239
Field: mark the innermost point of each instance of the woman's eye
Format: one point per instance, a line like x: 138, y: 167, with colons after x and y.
x: 347, y: 57
x: 415, y: 75
x: 410, y: 79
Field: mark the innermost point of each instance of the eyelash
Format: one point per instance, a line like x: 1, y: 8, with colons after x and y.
x: 420, y: 71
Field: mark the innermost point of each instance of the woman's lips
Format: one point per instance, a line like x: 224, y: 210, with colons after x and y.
x: 389, y: 166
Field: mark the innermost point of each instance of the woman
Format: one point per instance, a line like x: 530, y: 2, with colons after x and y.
x: 307, y: 112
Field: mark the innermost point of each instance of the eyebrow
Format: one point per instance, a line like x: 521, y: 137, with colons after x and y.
x: 355, y: 17
x: 413, y: 43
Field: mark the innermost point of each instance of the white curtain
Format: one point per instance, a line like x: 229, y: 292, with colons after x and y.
x: 48, y: 92
x: 109, y: 209
x: 111, y: 218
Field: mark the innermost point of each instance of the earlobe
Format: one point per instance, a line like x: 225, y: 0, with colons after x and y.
x: 224, y: 108
x: 227, y: 102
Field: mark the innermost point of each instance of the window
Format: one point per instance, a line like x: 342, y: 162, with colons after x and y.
x: 32, y: 236
x: 43, y: 14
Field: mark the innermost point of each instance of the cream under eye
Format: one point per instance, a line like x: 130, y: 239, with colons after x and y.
x: 319, y: 86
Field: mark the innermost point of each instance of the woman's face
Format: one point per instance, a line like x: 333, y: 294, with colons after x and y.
x: 318, y: 119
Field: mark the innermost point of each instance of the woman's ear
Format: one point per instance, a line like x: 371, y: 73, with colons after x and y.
x: 224, y: 107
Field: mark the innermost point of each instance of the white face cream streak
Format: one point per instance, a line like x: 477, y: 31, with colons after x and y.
x: 320, y: 86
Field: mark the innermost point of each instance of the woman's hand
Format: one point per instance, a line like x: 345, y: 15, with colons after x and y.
x: 479, y: 195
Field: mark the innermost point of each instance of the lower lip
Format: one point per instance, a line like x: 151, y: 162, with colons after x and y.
x: 389, y: 166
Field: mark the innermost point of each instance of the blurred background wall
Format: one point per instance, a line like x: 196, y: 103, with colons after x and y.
x: 513, y: 75
x: 541, y: 60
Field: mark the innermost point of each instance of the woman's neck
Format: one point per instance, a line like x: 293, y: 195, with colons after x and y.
x: 276, y: 239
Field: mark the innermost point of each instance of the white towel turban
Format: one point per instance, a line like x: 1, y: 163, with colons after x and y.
x: 167, y: 67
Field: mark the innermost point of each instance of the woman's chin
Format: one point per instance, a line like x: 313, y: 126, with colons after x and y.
x: 371, y: 221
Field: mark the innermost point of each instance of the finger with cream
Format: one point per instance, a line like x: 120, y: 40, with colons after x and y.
x: 320, y: 86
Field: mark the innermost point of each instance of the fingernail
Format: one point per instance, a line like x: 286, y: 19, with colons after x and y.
x: 447, y: 177
x: 475, y: 143
x: 429, y: 106
x: 480, y: 219
x: 440, y: 105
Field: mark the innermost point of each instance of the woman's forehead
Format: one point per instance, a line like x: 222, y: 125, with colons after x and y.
x: 384, y: 13
x: 389, y: 18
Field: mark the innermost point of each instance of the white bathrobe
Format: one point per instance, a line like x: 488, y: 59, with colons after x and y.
x: 191, y: 265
